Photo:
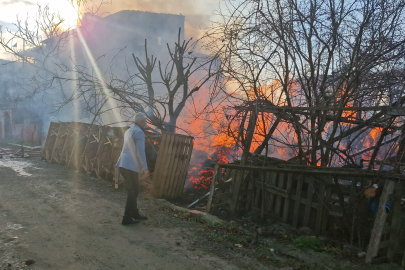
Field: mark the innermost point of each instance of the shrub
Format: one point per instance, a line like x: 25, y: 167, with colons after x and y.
x: 308, y: 242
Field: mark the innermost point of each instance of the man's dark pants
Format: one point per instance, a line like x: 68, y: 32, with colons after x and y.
x: 132, y: 186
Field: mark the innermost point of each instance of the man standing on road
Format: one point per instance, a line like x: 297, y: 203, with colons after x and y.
x: 132, y: 163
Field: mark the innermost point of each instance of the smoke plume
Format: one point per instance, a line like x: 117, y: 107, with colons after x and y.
x: 198, y: 13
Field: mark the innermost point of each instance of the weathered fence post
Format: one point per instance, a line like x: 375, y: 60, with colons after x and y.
x: 212, y: 187
x: 236, y: 190
x: 379, y: 221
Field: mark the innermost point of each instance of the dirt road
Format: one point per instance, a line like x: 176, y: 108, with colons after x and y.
x: 66, y: 220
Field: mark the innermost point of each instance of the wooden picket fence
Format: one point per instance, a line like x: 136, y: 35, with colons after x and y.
x: 96, y: 149
x: 317, y: 198
x: 47, y: 150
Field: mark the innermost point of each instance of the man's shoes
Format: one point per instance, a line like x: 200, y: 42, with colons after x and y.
x: 128, y: 221
x: 139, y: 217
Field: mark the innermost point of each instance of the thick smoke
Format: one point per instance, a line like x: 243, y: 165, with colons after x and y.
x: 198, y: 13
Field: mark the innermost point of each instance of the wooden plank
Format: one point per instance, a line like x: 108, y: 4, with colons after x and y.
x: 273, y: 190
x: 272, y: 181
x: 185, y: 164
x: 90, y: 150
x: 64, y: 157
x: 264, y: 194
x: 178, y: 166
x: 160, y: 164
x: 314, y: 205
x: 166, y: 169
x: 327, y: 171
x: 298, y: 200
x: 287, y: 199
x: 231, y: 187
x: 73, y: 141
x: 259, y: 193
x: 225, y: 187
x: 212, y: 188
x: 80, y: 144
x: 395, y: 226
x: 50, y: 141
x: 268, y: 204
x: 310, y: 193
x: 182, y: 168
x: 172, y: 161
x: 250, y: 197
x: 279, y: 199
x: 227, y: 196
x: 320, y: 213
x: 59, y: 142
x: 258, y: 211
x: 235, y: 191
x: 181, y: 157
x: 352, y: 195
x: 103, y: 156
x: 379, y: 221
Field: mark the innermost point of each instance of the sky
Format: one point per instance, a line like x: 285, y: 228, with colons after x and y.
x: 198, y: 12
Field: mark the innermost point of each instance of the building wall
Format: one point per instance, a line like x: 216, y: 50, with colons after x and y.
x: 28, y: 130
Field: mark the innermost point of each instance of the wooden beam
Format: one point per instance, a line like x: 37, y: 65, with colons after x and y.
x: 316, y: 170
x: 379, y: 221
x: 285, y: 109
x: 395, y: 231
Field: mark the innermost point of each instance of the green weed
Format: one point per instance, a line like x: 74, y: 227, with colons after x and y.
x: 308, y: 242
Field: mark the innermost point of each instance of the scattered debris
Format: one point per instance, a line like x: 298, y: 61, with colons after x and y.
x: 205, y: 197
x: 29, y: 262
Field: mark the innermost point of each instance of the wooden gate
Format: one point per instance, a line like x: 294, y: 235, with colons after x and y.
x: 172, y: 165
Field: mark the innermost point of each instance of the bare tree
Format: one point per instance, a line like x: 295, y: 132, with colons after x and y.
x: 315, y: 70
x: 100, y: 89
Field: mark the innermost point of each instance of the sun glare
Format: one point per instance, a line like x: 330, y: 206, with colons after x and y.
x: 68, y: 12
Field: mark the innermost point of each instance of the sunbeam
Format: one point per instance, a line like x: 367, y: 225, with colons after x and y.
x: 99, y: 77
